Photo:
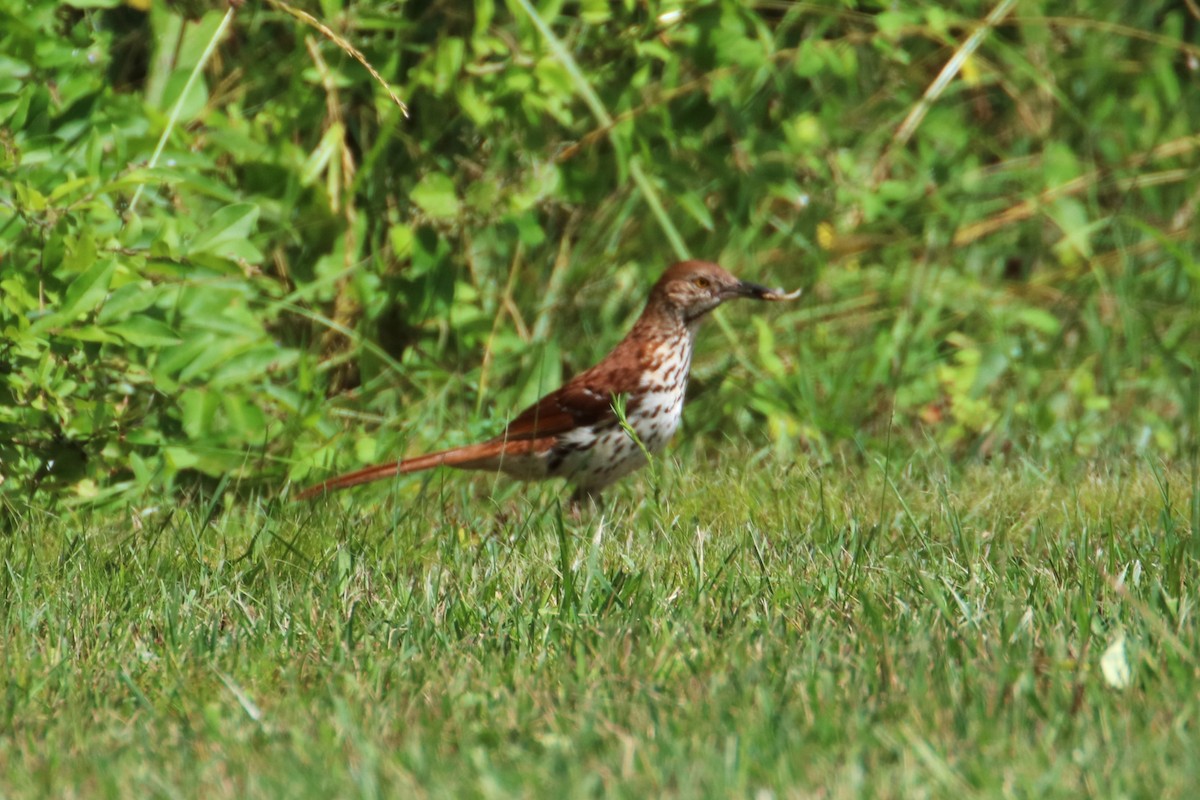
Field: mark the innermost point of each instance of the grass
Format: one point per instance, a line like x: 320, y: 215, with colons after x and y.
x: 764, y: 631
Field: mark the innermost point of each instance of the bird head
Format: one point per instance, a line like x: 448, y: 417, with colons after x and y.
x: 694, y: 288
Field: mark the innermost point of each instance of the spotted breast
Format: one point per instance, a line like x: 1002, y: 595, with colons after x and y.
x: 594, y: 456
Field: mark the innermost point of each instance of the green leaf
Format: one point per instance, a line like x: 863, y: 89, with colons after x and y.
x: 195, y: 101
x: 83, y: 295
x: 1040, y: 320
x: 227, y: 233
x: 366, y: 449
x: 86, y: 333
x: 529, y: 231
x: 595, y: 12
x: 246, y: 420
x: 16, y: 297
x: 809, y: 60
x: 449, y: 61
x: 553, y: 78
x: 1072, y: 218
x: 198, y: 407
x: 178, y: 458
x: 129, y: 299
x: 13, y: 68
x: 473, y: 104
x: 1060, y: 163
x: 766, y: 348
x: 29, y: 198
x: 435, y: 196
x: 892, y: 23
x: 696, y: 209
x: 68, y: 187
x: 400, y: 237
x: 252, y: 364
x: 143, y: 331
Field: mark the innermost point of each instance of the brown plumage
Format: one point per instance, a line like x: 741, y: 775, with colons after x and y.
x: 574, y: 431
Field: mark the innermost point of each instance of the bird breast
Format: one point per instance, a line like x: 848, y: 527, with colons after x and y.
x: 592, y: 457
x: 656, y: 414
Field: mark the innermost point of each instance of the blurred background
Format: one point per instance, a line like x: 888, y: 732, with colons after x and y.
x: 230, y: 258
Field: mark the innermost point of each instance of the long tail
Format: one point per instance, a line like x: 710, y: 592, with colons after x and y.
x: 464, y: 457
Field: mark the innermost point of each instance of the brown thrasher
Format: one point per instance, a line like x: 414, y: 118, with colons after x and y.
x: 575, y: 432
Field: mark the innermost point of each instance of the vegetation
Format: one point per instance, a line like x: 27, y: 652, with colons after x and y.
x: 987, y: 632
x: 1002, y: 261
x: 929, y: 531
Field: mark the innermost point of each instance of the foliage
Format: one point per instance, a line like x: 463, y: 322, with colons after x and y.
x: 1016, y: 276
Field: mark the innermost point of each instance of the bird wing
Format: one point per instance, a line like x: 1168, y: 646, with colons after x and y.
x: 575, y: 405
x: 585, y: 400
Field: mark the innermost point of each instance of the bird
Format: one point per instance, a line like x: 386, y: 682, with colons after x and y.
x: 605, y: 422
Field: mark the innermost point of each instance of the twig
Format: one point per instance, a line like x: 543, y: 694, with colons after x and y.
x: 351, y: 50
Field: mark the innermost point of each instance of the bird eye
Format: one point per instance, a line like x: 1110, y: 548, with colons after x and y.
x: 701, y: 282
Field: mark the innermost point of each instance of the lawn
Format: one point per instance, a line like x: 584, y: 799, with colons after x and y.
x: 731, y: 625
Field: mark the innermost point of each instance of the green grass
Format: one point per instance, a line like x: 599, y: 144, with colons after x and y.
x: 759, y: 630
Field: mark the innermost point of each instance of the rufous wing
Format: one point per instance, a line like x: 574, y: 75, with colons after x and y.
x: 575, y: 405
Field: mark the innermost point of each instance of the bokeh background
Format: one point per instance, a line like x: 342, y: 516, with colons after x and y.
x: 229, y: 258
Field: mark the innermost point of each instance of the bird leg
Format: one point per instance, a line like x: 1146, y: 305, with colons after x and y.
x: 581, y: 498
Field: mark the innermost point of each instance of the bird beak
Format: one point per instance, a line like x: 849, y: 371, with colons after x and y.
x: 747, y: 289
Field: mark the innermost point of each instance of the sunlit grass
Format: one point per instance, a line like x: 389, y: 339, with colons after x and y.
x: 712, y: 630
